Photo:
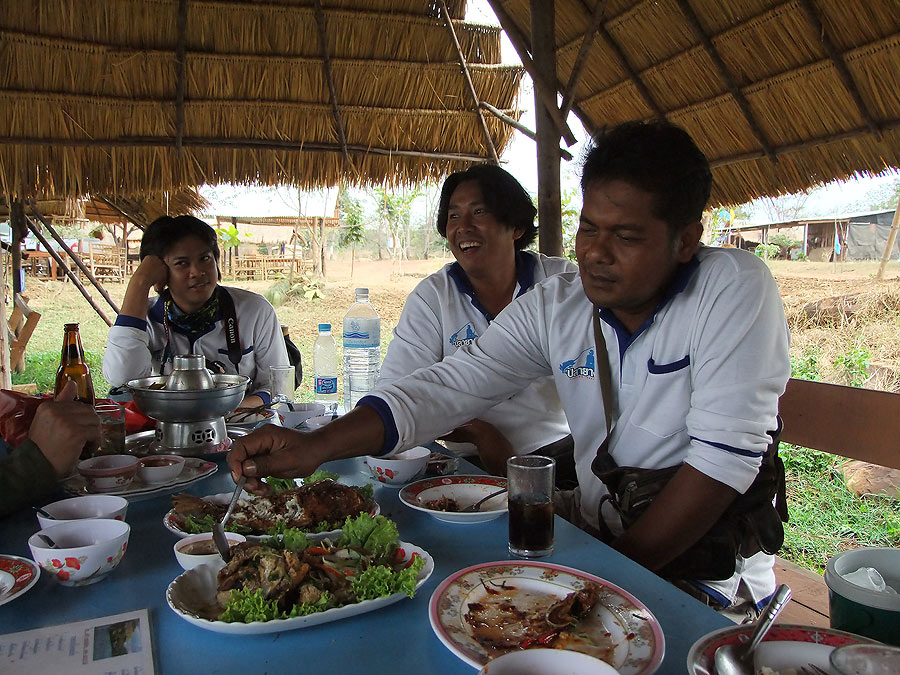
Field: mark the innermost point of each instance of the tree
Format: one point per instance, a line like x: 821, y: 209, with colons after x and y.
x: 394, y: 213
x: 353, y: 231
x: 884, y: 198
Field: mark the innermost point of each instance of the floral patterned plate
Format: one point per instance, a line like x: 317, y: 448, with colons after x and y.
x: 17, y: 575
x: 424, y: 495
x: 786, y: 646
x: 195, y: 469
x: 620, y: 630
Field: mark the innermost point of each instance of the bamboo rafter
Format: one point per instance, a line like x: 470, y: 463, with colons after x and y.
x: 586, y: 42
x: 326, y: 70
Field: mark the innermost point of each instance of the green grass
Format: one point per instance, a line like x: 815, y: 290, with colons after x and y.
x: 41, y: 367
x: 826, y: 517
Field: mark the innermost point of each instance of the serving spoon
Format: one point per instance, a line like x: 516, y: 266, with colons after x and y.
x: 219, y: 528
x: 44, y: 513
x: 477, y: 505
x: 738, y: 659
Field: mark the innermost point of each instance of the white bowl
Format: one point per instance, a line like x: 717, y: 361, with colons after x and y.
x: 159, y: 468
x: 108, y: 472
x: 301, y: 412
x: 86, y: 550
x: 189, y: 560
x: 399, y: 468
x: 547, y: 662
x: 88, y: 506
x: 250, y: 420
x: 318, y: 421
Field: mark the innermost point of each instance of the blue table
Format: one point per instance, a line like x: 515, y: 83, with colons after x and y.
x: 396, y: 639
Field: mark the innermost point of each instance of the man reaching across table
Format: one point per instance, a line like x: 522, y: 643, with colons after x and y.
x: 696, y: 349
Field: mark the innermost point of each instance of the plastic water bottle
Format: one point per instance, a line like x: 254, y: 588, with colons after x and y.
x: 362, y: 349
x: 325, y: 368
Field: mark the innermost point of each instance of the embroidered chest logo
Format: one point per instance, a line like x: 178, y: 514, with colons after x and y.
x: 582, y: 366
x: 464, y: 336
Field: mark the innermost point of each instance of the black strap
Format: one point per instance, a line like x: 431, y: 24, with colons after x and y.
x: 230, y: 326
x: 603, y: 461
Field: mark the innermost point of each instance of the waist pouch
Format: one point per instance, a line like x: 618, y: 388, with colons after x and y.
x: 752, y: 523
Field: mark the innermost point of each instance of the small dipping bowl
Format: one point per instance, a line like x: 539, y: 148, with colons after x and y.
x: 88, y: 506
x: 159, y: 468
x: 86, y: 550
x: 400, y: 468
x: 200, y: 549
x: 108, y: 472
x: 318, y: 421
x: 301, y: 412
x: 547, y: 662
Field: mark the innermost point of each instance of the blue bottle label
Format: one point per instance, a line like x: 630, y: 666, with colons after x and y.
x: 326, y: 385
x: 362, y: 332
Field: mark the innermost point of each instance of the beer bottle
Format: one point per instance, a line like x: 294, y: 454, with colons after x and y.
x: 72, y: 366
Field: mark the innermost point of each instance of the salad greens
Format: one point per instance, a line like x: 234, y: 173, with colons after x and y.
x: 364, y: 563
x: 195, y: 525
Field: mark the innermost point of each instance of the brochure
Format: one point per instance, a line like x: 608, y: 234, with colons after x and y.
x: 115, y: 645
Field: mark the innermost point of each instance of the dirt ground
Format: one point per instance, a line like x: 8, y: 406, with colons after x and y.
x: 870, y: 329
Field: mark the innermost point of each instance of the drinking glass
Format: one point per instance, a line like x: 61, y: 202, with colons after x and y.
x: 112, y: 428
x: 530, y: 479
x: 281, y: 381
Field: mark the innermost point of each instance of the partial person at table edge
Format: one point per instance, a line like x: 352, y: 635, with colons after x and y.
x: 180, y: 261
x: 58, y: 433
x: 697, y: 348
x: 487, y: 219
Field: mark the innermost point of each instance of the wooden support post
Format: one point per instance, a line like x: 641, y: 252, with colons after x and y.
x: 70, y: 273
x: 889, y: 246
x: 543, y: 21
x: 19, y: 230
x: 72, y: 254
x: 489, y: 142
x: 5, y: 369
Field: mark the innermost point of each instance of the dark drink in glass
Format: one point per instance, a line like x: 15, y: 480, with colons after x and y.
x: 530, y: 479
x: 530, y: 525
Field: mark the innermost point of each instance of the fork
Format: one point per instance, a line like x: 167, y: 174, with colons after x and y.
x: 813, y: 669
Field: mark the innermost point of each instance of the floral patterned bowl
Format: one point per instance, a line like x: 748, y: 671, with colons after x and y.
x: 108, y: 472
x: 400, y: 468
x: 86, y: 550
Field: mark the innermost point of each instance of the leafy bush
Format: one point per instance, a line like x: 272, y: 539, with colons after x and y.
x: 854, y: 365
x: 767, y: 250
x: 806, y: 366
x: 303, y: 288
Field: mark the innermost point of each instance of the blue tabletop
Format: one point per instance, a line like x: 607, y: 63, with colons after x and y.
x: 395, y: 639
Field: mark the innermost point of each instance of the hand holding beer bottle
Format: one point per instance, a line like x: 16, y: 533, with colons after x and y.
x: 73, y: 366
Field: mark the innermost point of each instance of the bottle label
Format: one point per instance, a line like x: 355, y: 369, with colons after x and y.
x: 362, y: 333
x: 326, y: 385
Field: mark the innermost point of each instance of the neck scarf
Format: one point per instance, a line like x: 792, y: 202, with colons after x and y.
x: 193, y: 324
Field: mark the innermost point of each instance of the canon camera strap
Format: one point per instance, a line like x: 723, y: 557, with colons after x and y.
x: 230, y: 326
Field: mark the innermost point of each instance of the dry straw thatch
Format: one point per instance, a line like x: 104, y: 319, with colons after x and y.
x: 649, y: 59
x: 94, y: 100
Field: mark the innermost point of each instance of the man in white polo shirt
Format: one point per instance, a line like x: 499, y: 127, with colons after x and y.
x: 696, y: 344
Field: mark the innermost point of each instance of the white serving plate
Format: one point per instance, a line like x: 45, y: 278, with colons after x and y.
x: 621, y: 630
x: 170, y: 520
x: 195, y: 468
x: 195, y: 590
x: 465, y: 490
x: 17, y: 576
x: 785, y: 646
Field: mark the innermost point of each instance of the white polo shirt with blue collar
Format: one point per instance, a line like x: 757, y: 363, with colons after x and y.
x: 443, y: 314
x: 699, y: 382
x: 135, y: 348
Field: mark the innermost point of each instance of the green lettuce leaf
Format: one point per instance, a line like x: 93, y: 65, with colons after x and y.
x: 318, y: 475
x: 377, y: 535
x: 248, y: 606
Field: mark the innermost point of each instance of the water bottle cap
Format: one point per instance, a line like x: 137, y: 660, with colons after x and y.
x: 362, y: 291
x: 324, y: 326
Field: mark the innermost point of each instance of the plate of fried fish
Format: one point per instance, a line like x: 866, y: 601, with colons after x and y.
x: 318, y: 508
x: 495, y: 608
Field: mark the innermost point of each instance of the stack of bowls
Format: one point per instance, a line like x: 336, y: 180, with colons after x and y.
x: 85, y: 551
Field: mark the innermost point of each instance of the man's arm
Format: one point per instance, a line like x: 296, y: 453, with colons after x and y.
x: 681, y: 514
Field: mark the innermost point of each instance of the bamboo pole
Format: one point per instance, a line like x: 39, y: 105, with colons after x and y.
x: 581, y: 58
x: 72, y: 254
x: 469, y: 85
x: 515, y: 124
x: 326, y: 67
x: 520, y: 43
x: 70, y: 273
x: 231, y: 144
x: 180, y: 71
x: 889, y: 246
x: 17, y: 222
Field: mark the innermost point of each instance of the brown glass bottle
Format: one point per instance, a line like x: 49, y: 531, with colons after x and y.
x: 72, y: 366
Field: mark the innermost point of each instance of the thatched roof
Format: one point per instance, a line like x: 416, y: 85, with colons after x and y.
x: 93, y: 98
x: 812, y: 83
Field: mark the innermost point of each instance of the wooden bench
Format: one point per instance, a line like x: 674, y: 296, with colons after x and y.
x: 861, y: 424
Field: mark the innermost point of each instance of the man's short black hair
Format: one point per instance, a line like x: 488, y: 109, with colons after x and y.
x: 504, y: 197
x: 659, y: 158
x: 164, y: 232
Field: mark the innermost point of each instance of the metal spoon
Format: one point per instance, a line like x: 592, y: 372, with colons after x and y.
x: 219, y: 528
x: 477, y: 505
x: 47, y: 540
x: 44, y: 513
x: 738, y: 659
